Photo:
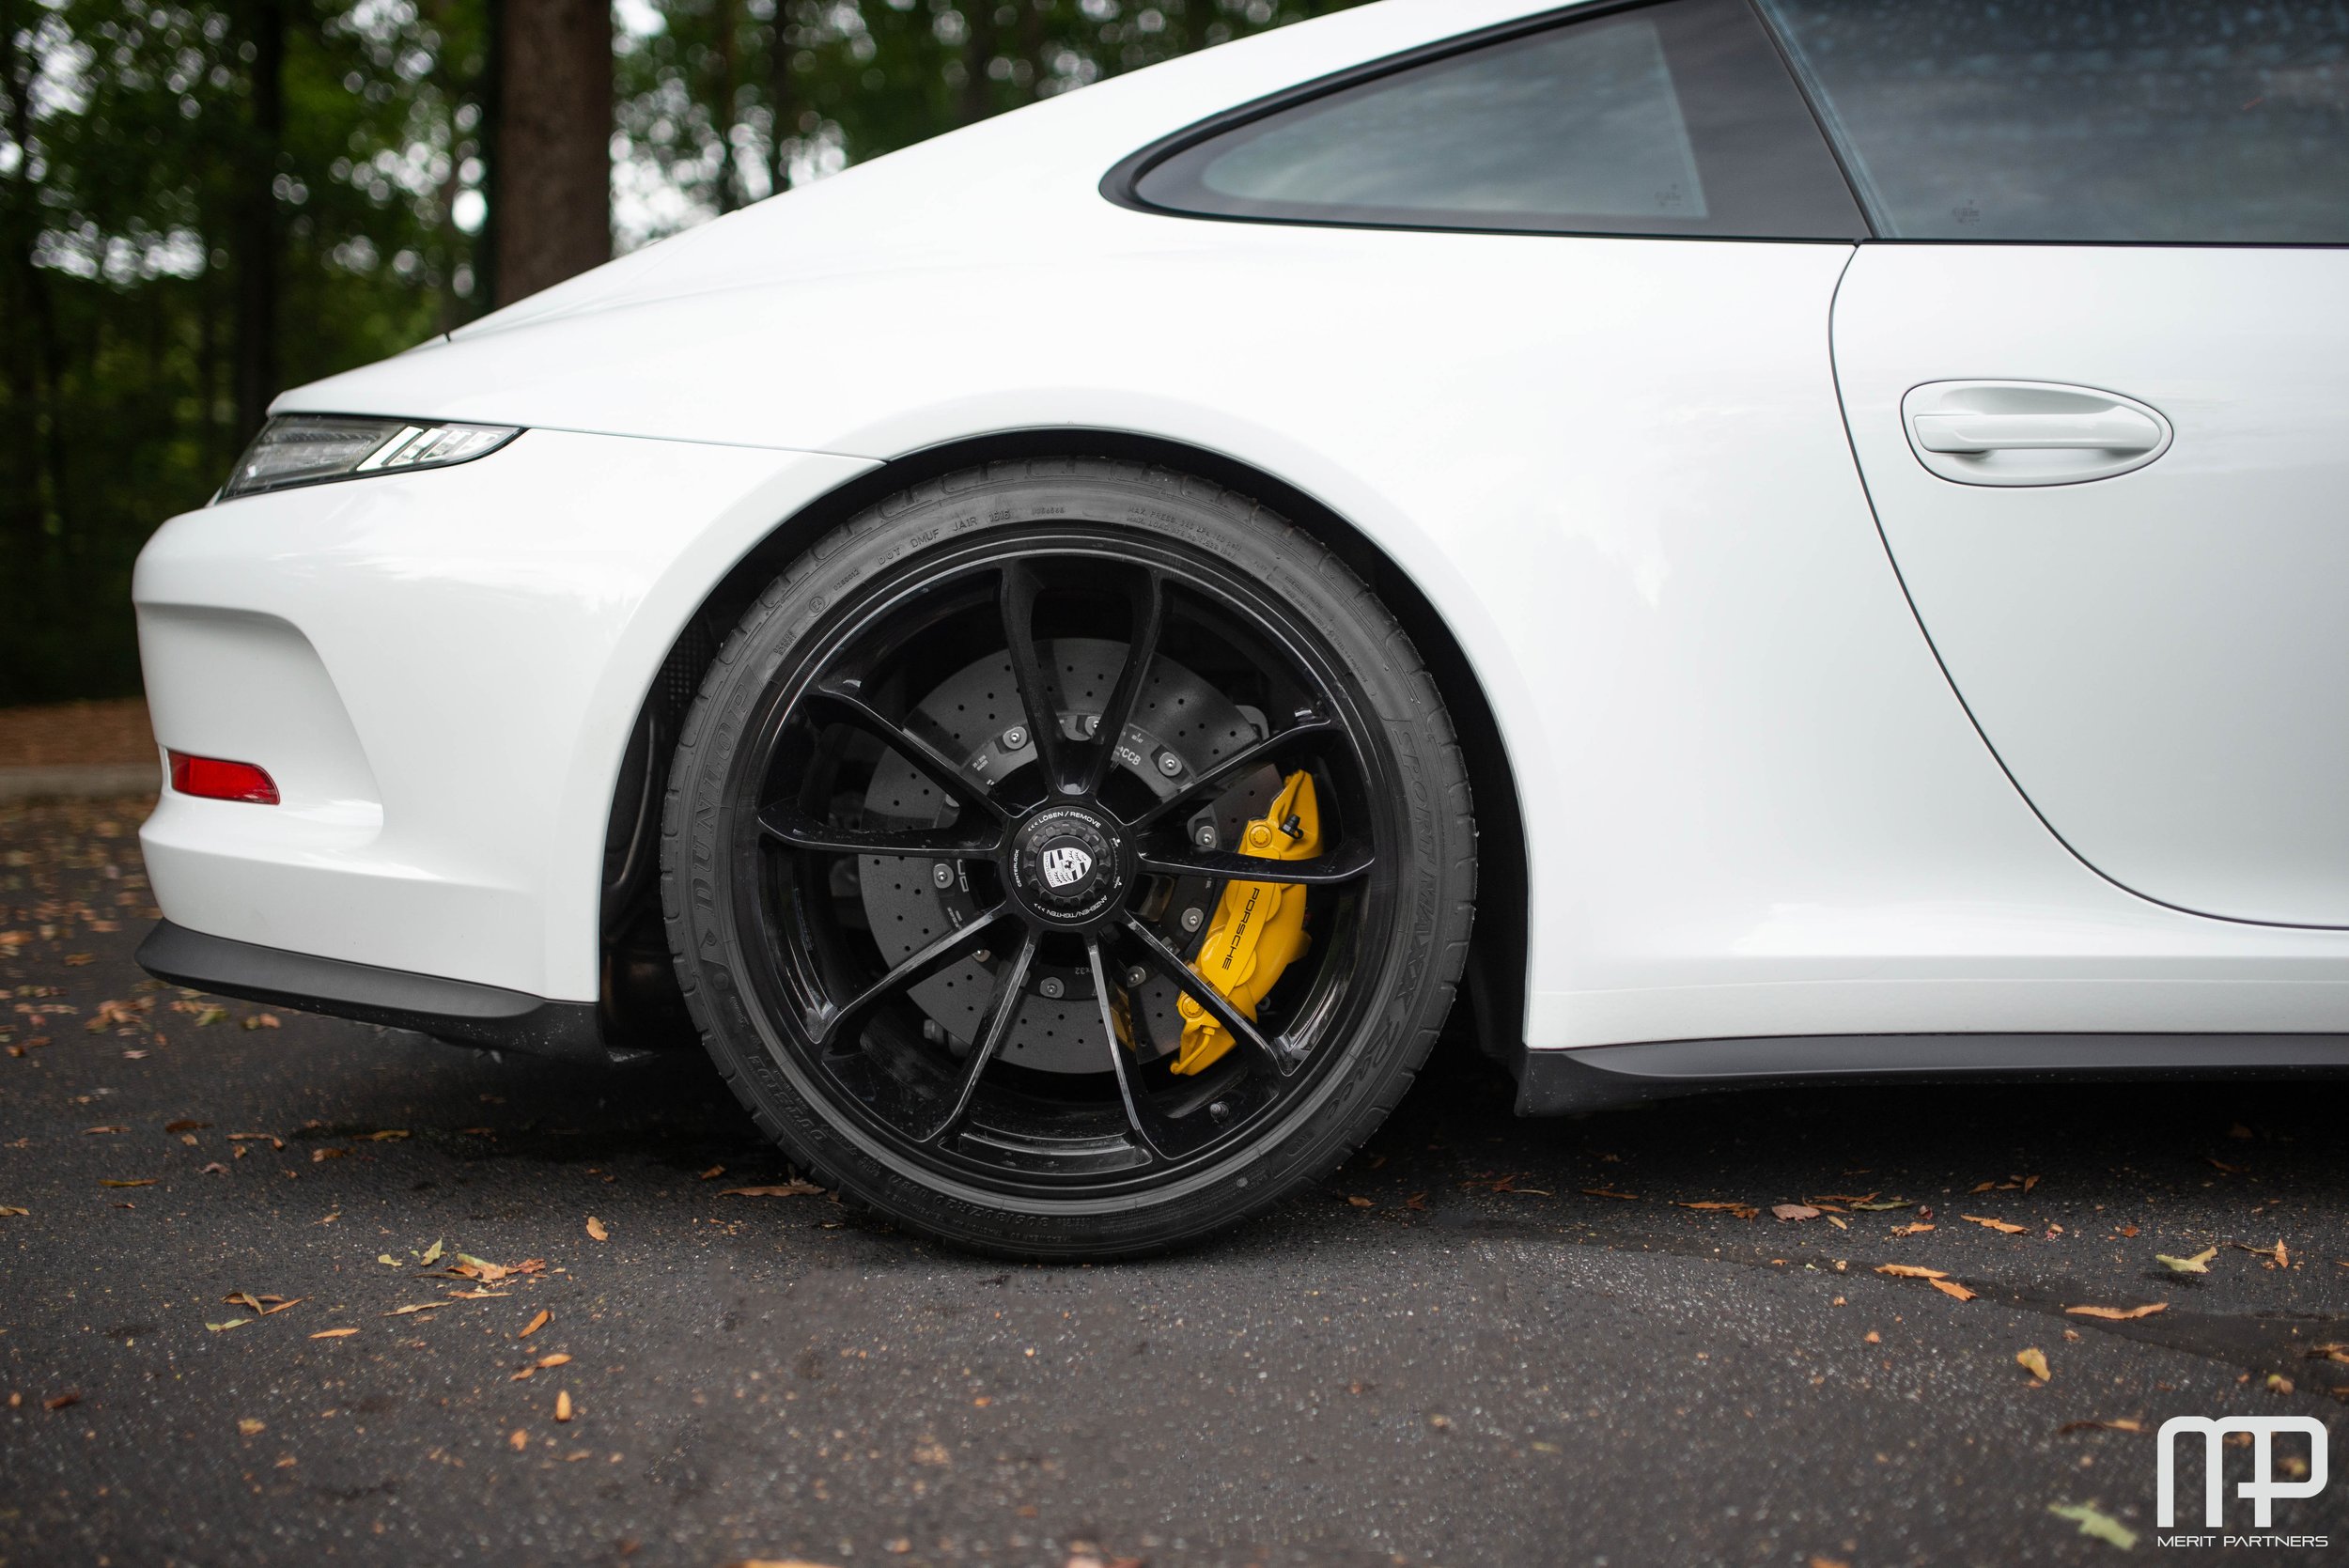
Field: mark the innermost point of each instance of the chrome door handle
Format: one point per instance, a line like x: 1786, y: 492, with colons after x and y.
x: 2030, y: 432
x: 2112, y: 429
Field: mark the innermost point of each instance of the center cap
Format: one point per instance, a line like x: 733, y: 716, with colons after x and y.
x: 1066, y: 860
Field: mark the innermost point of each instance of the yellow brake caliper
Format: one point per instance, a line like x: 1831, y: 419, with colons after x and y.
x: 1259, y: 927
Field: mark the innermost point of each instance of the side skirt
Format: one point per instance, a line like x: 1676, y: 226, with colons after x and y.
x: 1563, y: 1083
x: 456, y: 1010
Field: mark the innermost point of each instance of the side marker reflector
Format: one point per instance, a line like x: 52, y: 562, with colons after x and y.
x: 216, y: 780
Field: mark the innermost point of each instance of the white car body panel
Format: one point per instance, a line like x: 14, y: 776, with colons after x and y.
x: 2150, y: 654
x: 1617, y: 468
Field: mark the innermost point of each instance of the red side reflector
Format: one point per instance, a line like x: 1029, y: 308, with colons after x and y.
x: 216, y: 780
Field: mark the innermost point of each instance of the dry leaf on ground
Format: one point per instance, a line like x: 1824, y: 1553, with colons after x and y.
x: 2119, y: 1314
x: 2096, y: 1425
x: 1786, y: 1212
x: 2094, y: 1521
x: 596, y: 1231
x: 1998, y: 1225
x: 2198, y: 1264
x: 1910, y: 1271
x: 540, y: 1321
x: 1952, y: 1288
x: 780, y: 1189
x: 335, y: 1334
x: 2034, y: 1361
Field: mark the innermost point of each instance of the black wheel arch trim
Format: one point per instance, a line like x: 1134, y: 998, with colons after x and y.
x: 1597, y: 1078
x: 458, y: 1011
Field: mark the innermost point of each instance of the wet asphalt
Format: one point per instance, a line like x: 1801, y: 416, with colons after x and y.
x: 1485, y: 1342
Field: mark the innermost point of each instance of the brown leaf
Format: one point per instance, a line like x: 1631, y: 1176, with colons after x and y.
x: 320, y: 1157
x: 419, y: 1307
x: 1587, y: 1193
x: 388, y: 1135
x: 2033, y: 1361
x: 2119, y: 1314
x: 144, y: 1181
x: 91, y: 1131
x: 333, y: 1333
x: 1360, y: 1203
x: 712, y: 1174
x: 535, y: 1324
x: 518, y: 1439
x: 1952, y: 1288
x: 2002, y: 1226
x: 61, y: 1401
x: 1910, y: 1271
x: 563, y: 1404
x: 596, y: 1231
x: 1786, y: 1212
x: 1918, y: 1229
x: 252, y: 1428
x: 558, y: 1359
x: 780, y: 1189
x: 2104, y: 1426
x: 269, y: 1138
x: 185, y: 1126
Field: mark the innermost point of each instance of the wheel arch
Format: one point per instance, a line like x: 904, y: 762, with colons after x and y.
x: 638, y: 985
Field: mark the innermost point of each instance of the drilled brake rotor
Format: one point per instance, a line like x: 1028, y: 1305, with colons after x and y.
x: 1181, y: 725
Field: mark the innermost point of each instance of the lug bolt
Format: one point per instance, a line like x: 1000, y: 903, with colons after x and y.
x: 1221, y: 1110
x: 943, y: 873
x: 1015, y: 737
x: 1194, y: 919
x: 1169, y: 764
x: 1136, y: 975
x: 1052, y: 988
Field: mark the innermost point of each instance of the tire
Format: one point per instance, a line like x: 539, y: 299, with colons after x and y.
x: 867, y: 827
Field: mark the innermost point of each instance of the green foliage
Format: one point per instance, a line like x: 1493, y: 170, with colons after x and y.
x: 129, y: 146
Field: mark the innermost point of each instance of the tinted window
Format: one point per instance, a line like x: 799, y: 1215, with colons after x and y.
x: 1675, y: 118
x: 2086, y: 120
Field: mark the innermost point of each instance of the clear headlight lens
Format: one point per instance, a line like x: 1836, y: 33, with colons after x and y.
x: 310, y: 449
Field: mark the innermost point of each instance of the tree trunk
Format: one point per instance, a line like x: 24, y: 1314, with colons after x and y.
x: 554, y: 143
x: 783, y: 102
x: 729, y: 188
x: 978, y: 92
x: 254, y: 228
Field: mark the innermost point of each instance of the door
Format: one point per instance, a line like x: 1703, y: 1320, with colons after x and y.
x: 2099, y: 395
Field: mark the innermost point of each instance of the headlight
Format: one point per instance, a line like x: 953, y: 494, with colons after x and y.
x: 311, y: 449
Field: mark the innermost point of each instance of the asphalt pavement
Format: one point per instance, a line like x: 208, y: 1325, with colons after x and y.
x: 1485, y: 1342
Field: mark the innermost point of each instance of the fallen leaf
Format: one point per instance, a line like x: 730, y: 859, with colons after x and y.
x: 432, y: 1253
x: 61, y: 1401
x: 1918, y: 1229
x: 269, y: 1138
x: 596, y: 1231
x: 1871, y: 1205
x: 535, y: 1324
x: 232, y: 1323
x: 1360, y: 1203
x: 1587, y: 1193
x: 563, y: 1404
x: 559, y: 1359
x: 2119, y: 1314
x: 2279, y: 1384
x: 2128, y: 1231
x: 2035, y: 1362
x: 12, y: 1209
x: 419, y: 1307
x: 144, y: 1181
x: 712, y: 1174
x: 90, y: 1131
x: 2093, y: 1521
x: 783, y: 1189
x: 518, y: 1439
x: 2220, y: 1164
x: 184, y: 1126
x: 2106, y: 1426
x: 387, y: 1136
x: 333, y: 1333
x: 1952, y: 1288
x: 1793, y: 1212
x: 252, y: 1428
x: 2198, y: 1264
x: 1910, y: 1271
x: 1998, y: 1225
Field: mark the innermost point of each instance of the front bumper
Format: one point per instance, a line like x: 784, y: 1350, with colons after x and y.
x: 441, y: 670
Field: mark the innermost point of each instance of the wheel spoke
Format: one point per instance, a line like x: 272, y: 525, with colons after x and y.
x: 1224, y: 772
x: 1148, y: 601
x: 1010, y: 992
x: 1021, y: 589
x: 826, y: 1028
x: 1219, y: 1006
x: 1348, y: 863
x: 941, y: 770
x: 798, y: 831
x: 1157, y: 1133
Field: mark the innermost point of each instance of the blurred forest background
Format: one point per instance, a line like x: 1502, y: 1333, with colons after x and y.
x: 205, y: 201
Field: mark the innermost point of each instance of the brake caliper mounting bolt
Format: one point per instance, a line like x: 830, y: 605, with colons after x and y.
x: 943, y: 873
x: 1206, y: 835
x: 1169, y: 764
x: 1093, y: 723
x: 1015, y: 737
x: 1221, y: 1110
x: 1136, y: 975
x: 1192, y: 919
x: 1052, y: 988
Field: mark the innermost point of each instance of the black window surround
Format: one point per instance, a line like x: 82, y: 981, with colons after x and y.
x: 1821, y: 207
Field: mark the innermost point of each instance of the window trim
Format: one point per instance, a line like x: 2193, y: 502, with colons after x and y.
x: 1121, y: 185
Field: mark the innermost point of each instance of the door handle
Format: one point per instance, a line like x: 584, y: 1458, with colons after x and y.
x: 2030, y: 432
x: 2111, y: 429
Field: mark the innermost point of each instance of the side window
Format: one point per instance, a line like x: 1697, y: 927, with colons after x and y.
x: 1669, y: 119
x: 2086, y: 120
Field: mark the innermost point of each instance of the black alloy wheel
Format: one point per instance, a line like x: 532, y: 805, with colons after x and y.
x: 957, y: 808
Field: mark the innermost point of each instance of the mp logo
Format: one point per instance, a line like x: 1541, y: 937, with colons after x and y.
x: 2262, y: 1489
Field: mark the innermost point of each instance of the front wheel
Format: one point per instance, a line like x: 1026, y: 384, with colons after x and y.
x: 1067, y: 859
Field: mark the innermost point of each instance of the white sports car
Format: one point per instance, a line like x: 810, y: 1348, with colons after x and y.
x: 1822, y: 523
